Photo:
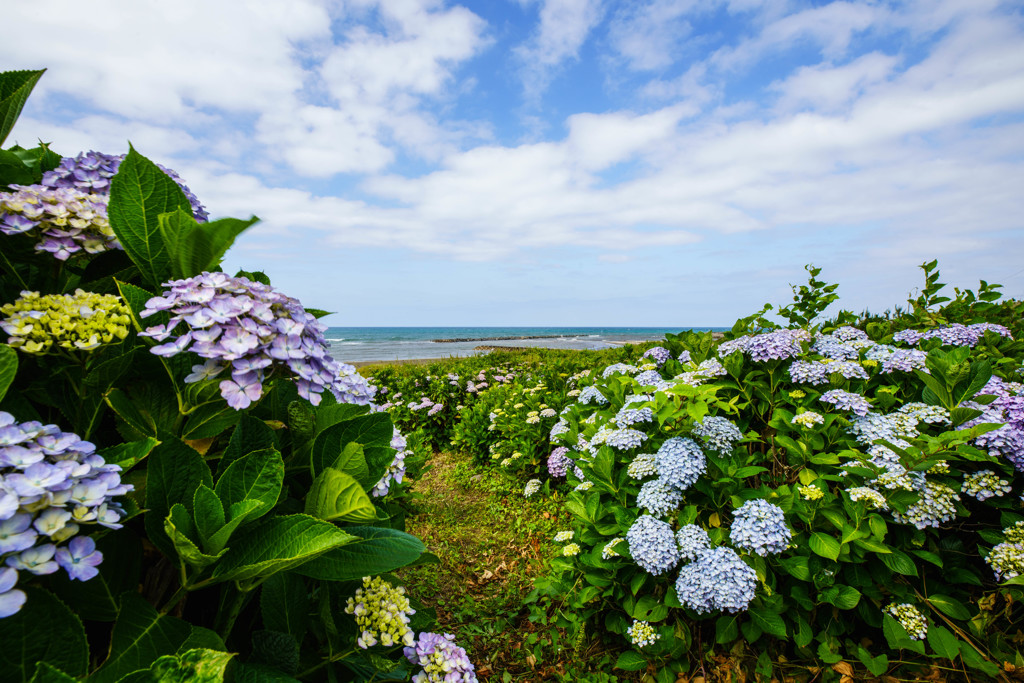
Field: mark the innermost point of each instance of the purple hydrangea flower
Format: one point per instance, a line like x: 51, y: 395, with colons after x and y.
x: 777, y: 345
x: 848, y: 401
x: 658, y: 354
x: 255, y: 331
x: 558, y: 463
x: 11, y: 599
x: 80, y: 558
x: 442, y: 660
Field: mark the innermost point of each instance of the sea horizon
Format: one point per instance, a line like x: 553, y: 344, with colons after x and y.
x: 361, y: 344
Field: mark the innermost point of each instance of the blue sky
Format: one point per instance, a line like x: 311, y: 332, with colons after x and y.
x: 561, y: 162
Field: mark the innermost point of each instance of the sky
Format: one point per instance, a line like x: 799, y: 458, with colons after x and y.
x: 561, y: 162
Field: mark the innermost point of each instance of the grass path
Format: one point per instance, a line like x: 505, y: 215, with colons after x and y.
x: 492, y: 544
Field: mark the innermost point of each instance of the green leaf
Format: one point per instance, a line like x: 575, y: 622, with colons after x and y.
x: 208, y: 512
x: 951, y: 607
x: 337, y: 496
x: 128, y: 455
x: 197, y: 247
x: 897, y: 636
x: 174, y: 473
x: 8, y: 368
x: 126, y: 409
x: 647, y: 608
x: 797, y: 567
x: 352, y: 461
x: 45, y: 673
x: 45, y: 630
x: 209, y: 420
x: 15, y: 87
x: 250, y: 435
x: 375, y: 551
x: 768, y: 621
x: 824, y: 545
x: 238, y: 514
x: 257, y: 476
x: 140, y: 636
x: 139, y: 193
x: 899, y: 562
x: 843, y: 597
x: 193, y: 666
x: 943, y: 642
x: 369, y: 430
x: 179, y: 528
x: 726, y: 629
x: 278, y: 544
x: 284, y: 604
x: 631, y: 661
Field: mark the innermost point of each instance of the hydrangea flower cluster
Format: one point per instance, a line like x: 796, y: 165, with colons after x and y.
x: 658, y: 498
x: 251, y: 329
x: 652, y: 378
x: 1007, y: 560
x: 658, y: 354
x: 381, y: 611
x: 571, y: 549
x: 643, y: 465
x: 653, y: 545
x: 760, y: 527
x: 910, y: 618
x: 563, y: 536
x: 558, y: 463
x: 717, y: 433
x: 51, y: 482
x: 532, y: 487
x: 873, y: 499
x: 442, y: 660
x: 904, y: 360
x: 609, y: 548
x: 807, y: 419
x: 934, y: 507
x: 985, y: 484
x: 619, y: 369
x: 708, y: 369
x: 81, y: 321
x: 641, y: 633
x: 1008, y: 410
x: 956, y: 334
x: 396, y: 470
x: 680, y: 462
x: 624, y: 439
x: 717, y: 580
x: 811, y: 492
x: 632, y: 416
x: 847, y: 401
x: 777, y: 345
x: 589, y: 394
x: 62, y: 222
x: 91, y: 172
x: 692, y: 541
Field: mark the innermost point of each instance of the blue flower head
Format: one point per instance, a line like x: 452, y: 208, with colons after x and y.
x: 760, y: 527
x: 680, y: 462
x: 652, y: 545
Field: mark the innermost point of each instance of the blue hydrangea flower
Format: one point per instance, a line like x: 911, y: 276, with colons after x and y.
x: 652, y: 545
x: 251, y: 330
x: 717, y: 433
x: 558, y: 462
x: 956, y: 334
x: 625, y: 439
x: 658, y: 498
x: 619, y: 369
x: 589, y: 394
x: 777, y: 345
x: 1006, y: 560
x: 760, y: 527
x: 680, y: 462
x: 632, y: 416
x: 658, y: 354
x: 717, y: 580
x: 649, y: 378
x: 692, y: 541
x: 11, y: 599
x: 847, y: 401
x: 905, y: 360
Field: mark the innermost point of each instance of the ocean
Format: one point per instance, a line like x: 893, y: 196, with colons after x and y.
x: 362, y: 344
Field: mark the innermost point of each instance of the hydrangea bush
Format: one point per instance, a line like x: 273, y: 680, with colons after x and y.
x: 190, y: 486
x: 842, y: 490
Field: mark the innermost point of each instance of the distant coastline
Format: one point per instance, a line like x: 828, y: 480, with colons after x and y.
x: 479, y: 339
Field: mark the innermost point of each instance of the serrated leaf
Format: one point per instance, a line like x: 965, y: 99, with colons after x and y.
x: 631, y: 661
x: 208, y: 513
x: 179, y: 528
x: 768, y: 621
x: 140, y: 636
x: 130, y: 413
x: 194, y: 666
x: 278, y: 544
x: 368, y: 430
x: 824, y: 545
x: 128, y: 455
x: 197, y: 247
x: 257, y: 476
x: 45, y: 630
x: 250, y: 435
x: 337, y: 496
x: 8, y: 368
x: 139, y: 193
x: 284, y: 604
x: 209, y: 420
x: 15, y: 87
x: 174, y: 473
x: 46, y: 673
x: 376, y: 550
x: 238, y: 514
x: 899, y: 562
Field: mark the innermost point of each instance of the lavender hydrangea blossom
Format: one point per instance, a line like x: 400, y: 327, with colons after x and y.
x: 558, y: 463
x: 442, y: 660
x: 777, y: 345
x: 956, y: 334
x: 658, y: 354
x: 717, y: 580
x: 692, y: 541
x: 51, y: 483
x: 251, y: 330
x: 847, y: 401
x: 717, y: 433
x: 658, y: 498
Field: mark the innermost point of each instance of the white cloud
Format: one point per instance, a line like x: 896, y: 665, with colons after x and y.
x: 647, y: 34
x: 824, y: 87
x: 563, y: 29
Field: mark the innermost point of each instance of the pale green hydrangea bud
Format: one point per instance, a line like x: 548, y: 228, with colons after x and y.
x: 641, y: 633
x: 382, y: 614
x: 81, y: 321
x: 910, y: 618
